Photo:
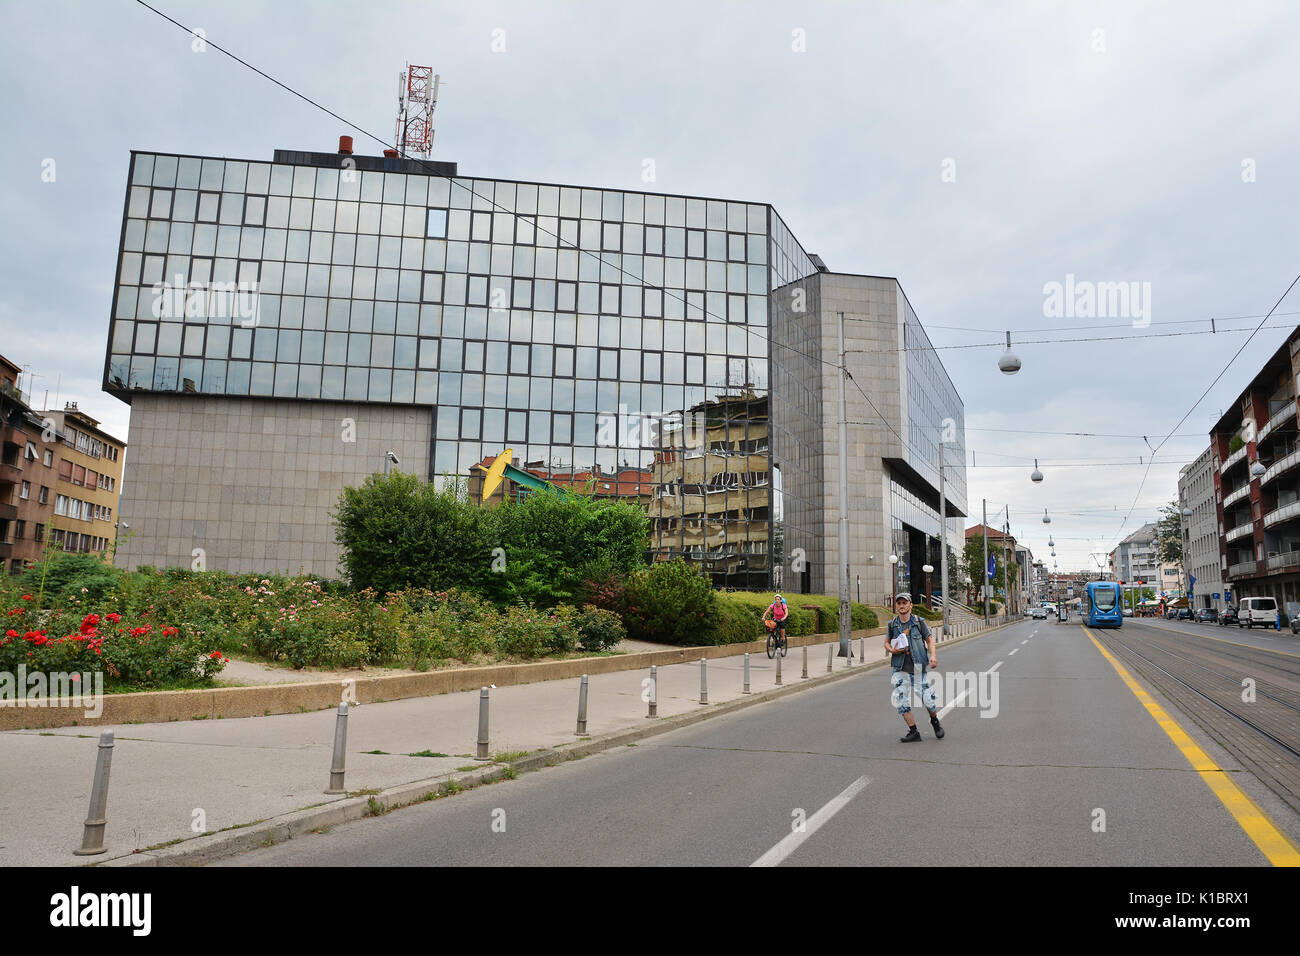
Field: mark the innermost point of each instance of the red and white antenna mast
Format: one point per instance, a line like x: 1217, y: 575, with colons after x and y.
x: 417, y: 95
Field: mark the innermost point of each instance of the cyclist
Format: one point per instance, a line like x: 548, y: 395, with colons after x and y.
x: 779, y: 612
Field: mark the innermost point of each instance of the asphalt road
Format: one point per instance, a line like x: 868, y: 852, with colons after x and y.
x: 1029, y: 786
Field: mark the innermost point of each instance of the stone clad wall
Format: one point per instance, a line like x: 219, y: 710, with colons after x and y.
x: 252, y: 482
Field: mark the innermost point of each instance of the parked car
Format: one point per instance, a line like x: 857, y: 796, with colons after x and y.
x: 1128, y: 612
x: 1257, y: 610
x: 1293, y: 616
x: 1207, y: 614
x: 1229, y: 616
x: 1186, y: 614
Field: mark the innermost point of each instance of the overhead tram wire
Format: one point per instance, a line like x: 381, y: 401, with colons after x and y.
x: 456, y: 181
x: 749, y: 330
x: 1198, y: 401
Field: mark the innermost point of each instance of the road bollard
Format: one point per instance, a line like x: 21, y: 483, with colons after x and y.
x: 746, y: 690
x: 92, y: 836
x: 704, y: 681
x: 582, y: 707
x: 483, y: 753
x: 830, y: 657
x: 337, y: 765
x: 778, y: 668
x: 862, y: 650
x: 805, y: 662
x: 654, y: 691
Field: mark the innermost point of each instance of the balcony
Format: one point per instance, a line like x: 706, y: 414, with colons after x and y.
x: 1287, y: 559
x: 1280, y: 466
x: 9, y: 511
x: 1238, y: 570
x: 1285, y: 415
x: 1242, y: 492
x: 1240, y: 531
x: 1282, y: 513
x: 1236, y: 456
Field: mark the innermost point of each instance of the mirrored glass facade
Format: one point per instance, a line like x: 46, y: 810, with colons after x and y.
x: 621, y: 335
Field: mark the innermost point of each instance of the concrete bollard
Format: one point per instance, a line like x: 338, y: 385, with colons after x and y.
x: 704, y: 681
x: 830, y: 657
x: 778, y: 669
x: 862, y: 650
x: 582, y: 707
x: 746, y: 690
x: 483, y: 753
x: 92, y: 835
x: 338, y: 765
x: 805, y: 662
x: 654, y: 691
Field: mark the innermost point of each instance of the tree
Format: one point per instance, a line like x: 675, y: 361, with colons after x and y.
x: 974, y: 561
x: 1169, y: 534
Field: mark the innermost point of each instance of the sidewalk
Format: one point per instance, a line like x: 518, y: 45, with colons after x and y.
x: 173, y: 781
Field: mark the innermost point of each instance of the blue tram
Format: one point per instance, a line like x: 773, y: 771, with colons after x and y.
x: 1102, y: 606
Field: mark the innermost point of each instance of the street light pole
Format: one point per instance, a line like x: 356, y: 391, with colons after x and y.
x: 1006, y: 568
x: 846, y: 616
x: 985, y: 596
x: 943, y: 541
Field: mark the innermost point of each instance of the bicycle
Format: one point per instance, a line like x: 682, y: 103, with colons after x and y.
x: 776, y: 639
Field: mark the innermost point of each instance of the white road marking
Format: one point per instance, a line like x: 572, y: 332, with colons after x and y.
x: 995, y: 667
x: 793, y: 841
x: 1026, y: 641
x: 953, y: 703
x: 1014, y: 650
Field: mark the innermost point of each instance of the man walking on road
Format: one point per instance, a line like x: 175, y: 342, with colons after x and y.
x: 908, y: 641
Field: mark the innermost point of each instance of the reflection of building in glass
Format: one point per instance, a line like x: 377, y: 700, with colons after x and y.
x: 712, y: 490
x: 333, y: 315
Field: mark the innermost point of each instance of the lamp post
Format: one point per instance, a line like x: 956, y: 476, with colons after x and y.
x: 893, y: 578
x: 929, y: 598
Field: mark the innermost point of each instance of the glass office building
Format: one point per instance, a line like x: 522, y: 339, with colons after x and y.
x: 609, y: 332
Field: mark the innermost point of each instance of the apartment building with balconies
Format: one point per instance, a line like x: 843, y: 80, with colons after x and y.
x: 86, y: 481
x: 1255, y: 465
x: 26, y: 475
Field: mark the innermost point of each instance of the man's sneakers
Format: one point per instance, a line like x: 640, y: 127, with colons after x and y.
x: 938, y: 728
x: 912, y: 735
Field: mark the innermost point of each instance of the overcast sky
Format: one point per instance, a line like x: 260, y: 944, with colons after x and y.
x: 976, y: 151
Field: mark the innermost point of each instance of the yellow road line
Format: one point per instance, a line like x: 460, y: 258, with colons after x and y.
x: 1272, y: 842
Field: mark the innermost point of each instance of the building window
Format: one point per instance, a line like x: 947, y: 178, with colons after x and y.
x: 49, y: 458
x: 61, y: 504
x: 39, y: 535
x: 44, y: 496
x: 25, y: 492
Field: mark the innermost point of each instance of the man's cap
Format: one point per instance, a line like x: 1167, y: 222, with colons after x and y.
x: 903, y: 597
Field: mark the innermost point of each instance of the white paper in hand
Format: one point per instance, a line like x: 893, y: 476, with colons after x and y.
x: 899, y: 643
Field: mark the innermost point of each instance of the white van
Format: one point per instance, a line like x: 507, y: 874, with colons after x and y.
x: 1257, y: 610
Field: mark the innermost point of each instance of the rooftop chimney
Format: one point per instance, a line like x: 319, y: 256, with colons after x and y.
x: 345, y: 145
x: 390, y: 153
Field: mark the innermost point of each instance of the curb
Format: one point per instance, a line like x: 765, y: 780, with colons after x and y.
x: 210, y: 847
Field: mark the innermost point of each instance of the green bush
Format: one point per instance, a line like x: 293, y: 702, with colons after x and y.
x: 62, y: 575
x: 396, y: 532
x: 671, y: 603
x: 599, y: 629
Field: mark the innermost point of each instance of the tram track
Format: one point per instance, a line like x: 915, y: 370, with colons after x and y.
x: 1206, y: 683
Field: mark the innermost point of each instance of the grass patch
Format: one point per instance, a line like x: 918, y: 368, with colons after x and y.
x: 505, y: 756
x: 363, y: 793
x: 376, y: 809
x: 466, y: 769
x: 240, y: 826
x: 426, y: 753
x: 384, y: 752
x: 159, y: 846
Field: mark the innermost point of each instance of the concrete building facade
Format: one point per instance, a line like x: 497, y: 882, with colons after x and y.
x: 1200, y: 532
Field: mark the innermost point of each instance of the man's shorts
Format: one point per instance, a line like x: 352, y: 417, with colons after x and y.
x: 903, y: 684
